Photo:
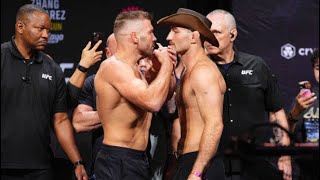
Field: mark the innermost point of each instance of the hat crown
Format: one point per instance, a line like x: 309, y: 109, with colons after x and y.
x: 201, y: 17
x: 193, y: 20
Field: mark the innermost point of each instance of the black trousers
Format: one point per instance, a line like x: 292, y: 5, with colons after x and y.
x: 118, y: 163
x: 214, y: 171
x: 26, y: 174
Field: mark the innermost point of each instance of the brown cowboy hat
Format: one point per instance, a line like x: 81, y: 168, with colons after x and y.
x: 192, y: 20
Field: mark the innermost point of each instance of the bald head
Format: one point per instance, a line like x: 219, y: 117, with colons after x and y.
x: 111, y: 45
x: 228, y: 18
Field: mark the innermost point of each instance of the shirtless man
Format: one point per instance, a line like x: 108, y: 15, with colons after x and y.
x: 199, y: 97
x: 125, y: 101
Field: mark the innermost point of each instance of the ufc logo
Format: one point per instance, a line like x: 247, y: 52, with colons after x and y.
x: 47, y: 76
x: 246, y: 72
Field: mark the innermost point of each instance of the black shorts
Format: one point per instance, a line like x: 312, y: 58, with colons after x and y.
x: 118, y: 163
x: 214, y: 171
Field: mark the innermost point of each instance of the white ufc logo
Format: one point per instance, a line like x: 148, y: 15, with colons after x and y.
x: 246, y: 72
x: 47, y: 76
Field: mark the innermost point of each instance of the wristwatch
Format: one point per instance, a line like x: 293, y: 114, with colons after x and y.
x: 82, y: 69
x: 80, y: 162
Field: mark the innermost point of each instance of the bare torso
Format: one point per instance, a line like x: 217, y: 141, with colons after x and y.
x: 124, y: 124
x: 191, y: 121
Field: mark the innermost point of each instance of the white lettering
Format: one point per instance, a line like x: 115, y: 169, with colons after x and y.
x: 52, y: 14
x: 47, y: 76
x: 305, y: 51
x: 312, y: 113
x: 55, y: 38
x: 57, y: 14
x: 44, y: 4
x: 245, y: 72
x: 56, y: 4
x: 50, y: 4
x: 47, y: 4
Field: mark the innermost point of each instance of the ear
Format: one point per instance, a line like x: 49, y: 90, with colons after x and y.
x: 19, y: 27
x: 134, y: 37
x: 233, y: 34
x: 108, y: 54
x: 195, y: 37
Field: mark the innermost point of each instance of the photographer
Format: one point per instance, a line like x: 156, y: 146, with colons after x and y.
x: 303, y: 119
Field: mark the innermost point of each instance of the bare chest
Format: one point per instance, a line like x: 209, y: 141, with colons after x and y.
x: 185, y: 97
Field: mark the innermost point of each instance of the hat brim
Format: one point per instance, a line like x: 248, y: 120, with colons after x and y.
x: 191, y: 22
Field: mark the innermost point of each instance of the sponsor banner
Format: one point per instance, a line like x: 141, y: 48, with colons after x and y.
x: 284, y: 33
x: 289, y: 51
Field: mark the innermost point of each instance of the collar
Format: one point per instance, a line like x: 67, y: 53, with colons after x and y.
x: 15, y: 52
x: 237, y: 58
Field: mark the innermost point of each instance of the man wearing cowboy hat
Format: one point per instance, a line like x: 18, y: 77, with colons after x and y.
x: 199, y: 97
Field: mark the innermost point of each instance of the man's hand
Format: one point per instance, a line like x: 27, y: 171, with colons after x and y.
x: 173, y: 54
x: 89, y: 56
x: 284, y: 165
x: 80, y: 173
x: 163, y: 55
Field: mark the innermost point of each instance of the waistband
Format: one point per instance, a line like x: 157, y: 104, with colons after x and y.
x: 193, y: 155
x: 183, y: 157
x: 122, y: 151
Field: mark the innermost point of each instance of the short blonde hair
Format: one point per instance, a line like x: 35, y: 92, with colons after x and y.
x: 125, y: 16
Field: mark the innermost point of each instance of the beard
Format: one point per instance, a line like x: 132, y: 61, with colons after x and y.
x: 147, y: 52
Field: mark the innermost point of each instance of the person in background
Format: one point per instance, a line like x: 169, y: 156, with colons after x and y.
x: 33, y: 101
x: 63, y: 169
x: 85, y: 116
x: 252, y: 91
x: 303, y: 119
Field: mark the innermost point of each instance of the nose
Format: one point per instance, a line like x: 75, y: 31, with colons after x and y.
x: 154, y: 38
x: 169, y: 37
x: 45, y: 33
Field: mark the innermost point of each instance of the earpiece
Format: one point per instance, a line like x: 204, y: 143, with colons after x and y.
x: 232, y: 35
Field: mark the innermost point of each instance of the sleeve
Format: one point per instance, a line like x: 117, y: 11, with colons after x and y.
x: 60, y: 102
x: 86, y: 95
x: 72, y: 95
x: 273, y: 95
